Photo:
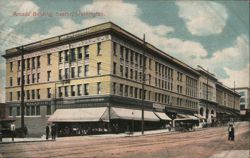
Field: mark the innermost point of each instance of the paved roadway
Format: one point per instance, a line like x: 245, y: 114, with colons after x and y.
x: 206, y: 143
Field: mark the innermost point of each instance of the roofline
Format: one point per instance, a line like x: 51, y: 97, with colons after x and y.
x: 110, y: 26
x: 242, y: 88
x: 227, y: 88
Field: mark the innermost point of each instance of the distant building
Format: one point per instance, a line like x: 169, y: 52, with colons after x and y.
x: 93, y: 78
x: 244, y: 101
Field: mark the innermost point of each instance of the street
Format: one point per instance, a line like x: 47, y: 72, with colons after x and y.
x: 210, y: 142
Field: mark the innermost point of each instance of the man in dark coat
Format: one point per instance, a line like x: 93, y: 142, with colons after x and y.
x: 47, y: 132
x: 232, y: 133
x: 53, y: 132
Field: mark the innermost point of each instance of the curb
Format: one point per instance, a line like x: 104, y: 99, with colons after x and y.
x: 27, y: 141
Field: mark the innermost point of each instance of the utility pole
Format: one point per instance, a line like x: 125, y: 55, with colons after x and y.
x: 143, y: 82
x: 207, y: 99
x: 22, y: 88
x: 234, y: 95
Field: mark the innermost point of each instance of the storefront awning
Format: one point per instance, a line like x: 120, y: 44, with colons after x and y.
x: 182, y: 117
x: 79, y: 115
x: 132, y: 114
x: 162, y: 116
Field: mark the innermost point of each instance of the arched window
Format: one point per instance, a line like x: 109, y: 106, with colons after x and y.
x: 201, y: 111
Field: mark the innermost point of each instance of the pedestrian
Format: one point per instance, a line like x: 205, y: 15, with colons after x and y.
x: 47, y: 132
x: 230, y: 132
x: 53, y: 132
x: 12, y: 129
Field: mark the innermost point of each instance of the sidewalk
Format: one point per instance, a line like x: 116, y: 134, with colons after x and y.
x: 22, y: 140
x: 135, y: 134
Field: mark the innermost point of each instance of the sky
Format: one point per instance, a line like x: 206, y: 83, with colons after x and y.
x: 213, y: 34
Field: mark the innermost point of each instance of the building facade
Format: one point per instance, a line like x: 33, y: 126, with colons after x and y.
x: 103, y: 66
x: 244, y: 102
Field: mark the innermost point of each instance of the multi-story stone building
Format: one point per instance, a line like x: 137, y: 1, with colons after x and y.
x: 96, y: 74
x: 207, y: 94
x: 228, y: 102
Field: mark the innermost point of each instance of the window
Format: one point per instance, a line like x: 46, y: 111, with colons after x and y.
x: 10, y: 96
x: 33, y: 94
x: 121, y: 89
x: 131, y: 57
x: 114, y: 88
x: 66, y: 56
x: 121, y: 52
x: 121, y: 70
x: 38, y: 62
x: 140, y: 93
x: 60, y: 94
x: 150, y: 64
x: 79, y: 90
x: 86, y: 89
x: 60, y: 74
x: 131, y: 74
x: 48, y: 75
x: 136, y: 58
x: 37, y: 110
x: 27, y: 110
x: 60, y: 56
x: 136, y: 92
x: 99, y: 68
x: 79, y: 53
x: 126, y: 54
x: 33, y: 78
x: 126, y: 72
x: 98, y: 87
x: 19, y: 65
x: 126, y: 90
x: 18, y: 95
x: 72, y: 72
x: 11, y: 81
x: 48, y: 92
x: 18, y: 111
x: 99, y: 48
x: 38, y: 77
x: 28, y: 64
x: 32, y: 110
x: 10, y: 111
x: 66, y: 91
x: 79, y: 71
x: 136, y: 75
x: 72, y: 90
x: 28, y: 79
x: 72, y: 55
x: 38, y: 93
x: 114, y: 48
x: 11, y: 67
x: 49, y: 59
x: 114, y: 68
x: 66, y: 73
x: 86, y: 70
x: 86, y: 52
x: 33, y: 63
x: 48, y: 112
x: 131, y: 91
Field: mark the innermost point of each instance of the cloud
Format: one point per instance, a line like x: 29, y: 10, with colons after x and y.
x: 240, y: 77
x: 156, y: 35
x: 9, y: 9
x: 206, y: 19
